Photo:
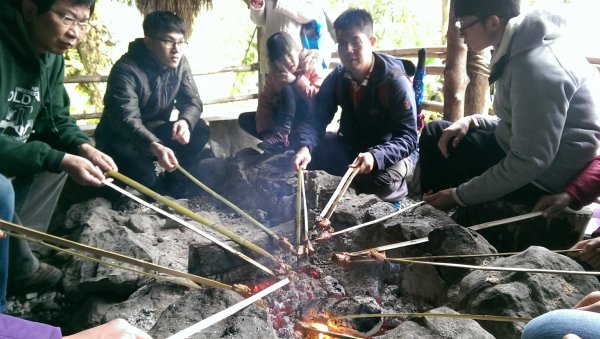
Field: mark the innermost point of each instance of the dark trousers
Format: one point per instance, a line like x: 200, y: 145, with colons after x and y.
x: 332, y: 156
x: 475, y: 153
x: 139, y: 164
x: 291, y: 108
x: 36, y: 197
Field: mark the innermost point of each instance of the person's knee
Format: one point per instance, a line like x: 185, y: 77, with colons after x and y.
x: 7, y: 198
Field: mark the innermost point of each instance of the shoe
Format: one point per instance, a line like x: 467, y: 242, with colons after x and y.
x: 397, y: 205
x: 45, y: 278
x: 276, y: 142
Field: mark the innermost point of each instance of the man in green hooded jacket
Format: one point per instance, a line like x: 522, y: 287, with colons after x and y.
x: 40, y: 144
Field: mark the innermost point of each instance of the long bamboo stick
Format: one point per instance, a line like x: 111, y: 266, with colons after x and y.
x: 215, y: 318
x: 425, y: 239
x: 337, y: 200
x: 190, y: 227
x: 228, y: 203
x: 35, y: 234
x: 492, y: 268
x: 462, y: 256
x: 438, y: 315
x: 325, y: 210
x: 188, y: 213
x: 299, y: 210
x: 350, y: 229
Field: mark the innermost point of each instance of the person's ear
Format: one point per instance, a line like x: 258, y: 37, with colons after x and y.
x: 372, y: 40
x: 29, y: 10
x: 494, y: 22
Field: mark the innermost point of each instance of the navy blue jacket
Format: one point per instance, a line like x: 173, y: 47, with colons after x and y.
x: 384, y: 124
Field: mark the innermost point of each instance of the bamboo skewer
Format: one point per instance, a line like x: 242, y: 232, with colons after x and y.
x: 45, y: 237
x: 425, y: 239
x: 378, y: 220
x: 299, y: 213
x: 439, y: 315
x: 228, y: 203
x: 493, y: 268
x: 307, y: 245
x: 338, y: 198
x: 461, y: 256
x: 188, y: 213
x: 190, y: 227
x: 325, y: 210
x: 215, y: 318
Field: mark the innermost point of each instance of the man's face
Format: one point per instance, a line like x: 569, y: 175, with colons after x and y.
x: 355, y: 49
x: 473, y: 31
x: 59, y: 29
x: 167, y: 48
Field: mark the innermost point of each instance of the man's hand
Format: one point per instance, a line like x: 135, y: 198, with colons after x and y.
x: 553, y: 204
x: 365, y: 162
x: 98, y: 158
x: 116, y: 329
x: 2, y: 234
x: 441, y: 200
x: 181, y: 132
x: 82, y: 170
x: 301, y: 159
x: 165, y: 156
x: 590, y: 253
x: 590, y: 302
x: 457, y: 130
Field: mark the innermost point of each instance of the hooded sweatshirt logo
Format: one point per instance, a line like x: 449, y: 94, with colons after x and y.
x: 19, y: 118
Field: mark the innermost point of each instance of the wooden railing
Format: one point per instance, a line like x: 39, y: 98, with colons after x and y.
x: 438, y: 52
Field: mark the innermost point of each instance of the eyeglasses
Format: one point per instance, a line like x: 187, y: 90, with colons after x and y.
x: 355, y: 43
x: 463, y: 28
x: 170, y: 44
x: 70, y: 21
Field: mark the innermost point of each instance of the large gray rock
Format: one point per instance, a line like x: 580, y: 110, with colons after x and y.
x: 557, y: 233
x: 438, y: 327
x: 522, y: 294
x: 252, y: 322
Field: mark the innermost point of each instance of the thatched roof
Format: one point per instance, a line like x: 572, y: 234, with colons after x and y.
x: 188, y: 10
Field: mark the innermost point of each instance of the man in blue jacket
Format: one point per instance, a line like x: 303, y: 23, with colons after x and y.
x: 378, y: 131
x: 39, y: 142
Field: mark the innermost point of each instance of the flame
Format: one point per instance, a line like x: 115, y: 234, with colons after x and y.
x: 320, y: 327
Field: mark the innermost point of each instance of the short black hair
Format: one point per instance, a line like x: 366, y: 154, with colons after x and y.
x: 354, y: 18
x: 506, y: 9
x: 280, y: 44
x: 161, y: 22
x: 43, y: 6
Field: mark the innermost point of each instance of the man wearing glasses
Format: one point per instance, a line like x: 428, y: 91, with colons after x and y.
x: 39, y: 143
x: 378, y: 128
x: 144, y: 86
x: 546, y: 126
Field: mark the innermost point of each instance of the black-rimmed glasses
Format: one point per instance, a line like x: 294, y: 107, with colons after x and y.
x: 170, y: 44
x: 462, y: 28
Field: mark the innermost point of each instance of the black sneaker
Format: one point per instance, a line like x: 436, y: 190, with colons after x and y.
x: 45, y: 278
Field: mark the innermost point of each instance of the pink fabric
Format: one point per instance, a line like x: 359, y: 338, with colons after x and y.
x: 585, y: 187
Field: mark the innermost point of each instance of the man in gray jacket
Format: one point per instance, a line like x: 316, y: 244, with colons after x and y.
x: 547, y: 123
x: 143, y: 87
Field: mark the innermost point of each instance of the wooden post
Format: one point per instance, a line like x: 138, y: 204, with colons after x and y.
x: 455, y: 74
x: 478, y: 89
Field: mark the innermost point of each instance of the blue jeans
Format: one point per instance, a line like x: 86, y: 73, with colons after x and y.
x: 7, y: 210
x: 558, y: 323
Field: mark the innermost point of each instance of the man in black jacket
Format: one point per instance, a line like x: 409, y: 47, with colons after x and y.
x: 143, y: 87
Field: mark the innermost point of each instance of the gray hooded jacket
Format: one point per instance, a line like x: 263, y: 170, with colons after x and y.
x: 547, y: 106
